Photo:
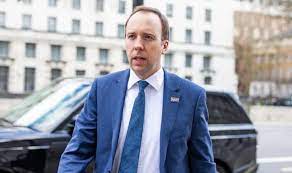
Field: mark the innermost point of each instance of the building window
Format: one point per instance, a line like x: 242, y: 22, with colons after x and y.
x: 122, y: 6
x: 169, y: 10
x: 30, y: 50
x: 75, y: 26
x: 189, y: 12
x: 29, y: 79
x: 207, y: 37
x: 189, y: 58
x: 80, y: 73
x: 4, y: 75
x: 99, y: 29
x: 76, y: 4
x: 26, y: 1
x: 168, y: 60
x: 52, y: 3
x: 208, y: 80
x: 208, y: 15
x: 81, y: 53
x: 52, y: 24
x: 189, y: 77
x: 56, y: 52
x: 55, y: 73
x: 125, y: 57
x: 2, y: 19
x: 170, y: 33
x: 26, y: 21
x: 99, y: 5
x: 207, y: 62
x: 4, y: 49
x: 103, y: 56
x: 103, y: 72
x: 256, y: 33
x: 188, y: 36
x: 121, y: 31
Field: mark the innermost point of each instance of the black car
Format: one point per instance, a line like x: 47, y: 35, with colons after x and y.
x: 34, y: 133
x: 284, y: 102
x: 233, y: 134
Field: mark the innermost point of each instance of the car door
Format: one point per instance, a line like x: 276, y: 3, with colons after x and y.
x: 59, y: 140
x: 58, y: 143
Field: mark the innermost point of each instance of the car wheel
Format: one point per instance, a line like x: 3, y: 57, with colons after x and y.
x: 220, y: 169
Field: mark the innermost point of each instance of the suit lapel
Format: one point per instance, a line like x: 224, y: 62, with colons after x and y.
x: 171, y: 98
x: 119, y: 89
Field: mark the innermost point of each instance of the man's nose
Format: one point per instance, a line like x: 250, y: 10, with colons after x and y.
x: 138, y: 45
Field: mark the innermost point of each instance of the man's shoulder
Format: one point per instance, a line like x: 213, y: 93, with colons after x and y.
x: 184, y: 84
x: 119, y: 75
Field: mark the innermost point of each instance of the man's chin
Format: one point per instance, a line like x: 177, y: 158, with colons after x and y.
x: 139, y: 71
x: 142, y: 72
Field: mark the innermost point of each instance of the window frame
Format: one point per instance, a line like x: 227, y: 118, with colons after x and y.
x: 76, y: 26
x: 76, y: 4
x: 189, y: 12
x: 3, y: 19
x: 104, y: 56
x: 29, y: 83
x: 33, y: 46
x: 52, y: 24
x: 4, y: 46
x: 83, y: 53
x: 26, y: 21
x: 58, y: 48
x: 4, y: 78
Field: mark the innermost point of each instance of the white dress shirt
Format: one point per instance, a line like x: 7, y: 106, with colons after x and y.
x: 149, y: 159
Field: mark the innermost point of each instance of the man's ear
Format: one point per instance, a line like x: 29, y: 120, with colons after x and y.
x: 164, y: 46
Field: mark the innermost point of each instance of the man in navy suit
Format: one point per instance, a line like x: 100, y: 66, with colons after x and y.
x: 144, y: 119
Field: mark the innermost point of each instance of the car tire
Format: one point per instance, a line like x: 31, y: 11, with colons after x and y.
x: 220, y: 169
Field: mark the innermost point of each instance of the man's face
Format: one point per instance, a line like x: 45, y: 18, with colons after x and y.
x: 143, y: 43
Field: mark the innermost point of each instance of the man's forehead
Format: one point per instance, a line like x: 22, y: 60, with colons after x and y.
x: 149, y: 16
x: 144, y: 31
x: 150, y: 21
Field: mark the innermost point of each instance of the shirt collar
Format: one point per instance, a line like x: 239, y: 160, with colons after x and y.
x: 155, y: 80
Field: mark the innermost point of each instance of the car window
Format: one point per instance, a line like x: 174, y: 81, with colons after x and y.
x: 70, y: 124
x: 53, y: 108
x: 224, y: 110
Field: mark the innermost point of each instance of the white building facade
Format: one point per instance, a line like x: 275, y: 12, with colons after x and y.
x: 43, y: 40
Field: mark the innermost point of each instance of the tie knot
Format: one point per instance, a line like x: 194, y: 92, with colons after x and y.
x: 142, y: 85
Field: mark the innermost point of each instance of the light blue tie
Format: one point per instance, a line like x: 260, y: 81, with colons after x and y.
x: 131, y: 149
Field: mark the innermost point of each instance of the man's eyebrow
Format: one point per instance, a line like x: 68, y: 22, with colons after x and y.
x: 149, y: 33
x: 144, y: 33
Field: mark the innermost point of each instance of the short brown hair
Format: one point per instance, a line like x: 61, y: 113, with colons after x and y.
x: 163, y: 19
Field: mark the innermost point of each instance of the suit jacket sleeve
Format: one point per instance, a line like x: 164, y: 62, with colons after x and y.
x: 200, y: 145
x: 81, y: 148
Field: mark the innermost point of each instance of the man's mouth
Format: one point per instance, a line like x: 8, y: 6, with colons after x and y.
x: 138, y: 60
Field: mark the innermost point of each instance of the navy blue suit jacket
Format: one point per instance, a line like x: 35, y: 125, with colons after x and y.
x: 185, y: 144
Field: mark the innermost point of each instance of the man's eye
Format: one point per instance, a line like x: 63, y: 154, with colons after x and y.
x: 131, y: 36
x: 149, y: 37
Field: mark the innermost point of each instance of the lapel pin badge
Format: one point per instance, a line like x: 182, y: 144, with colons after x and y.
x: 174, y: 99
